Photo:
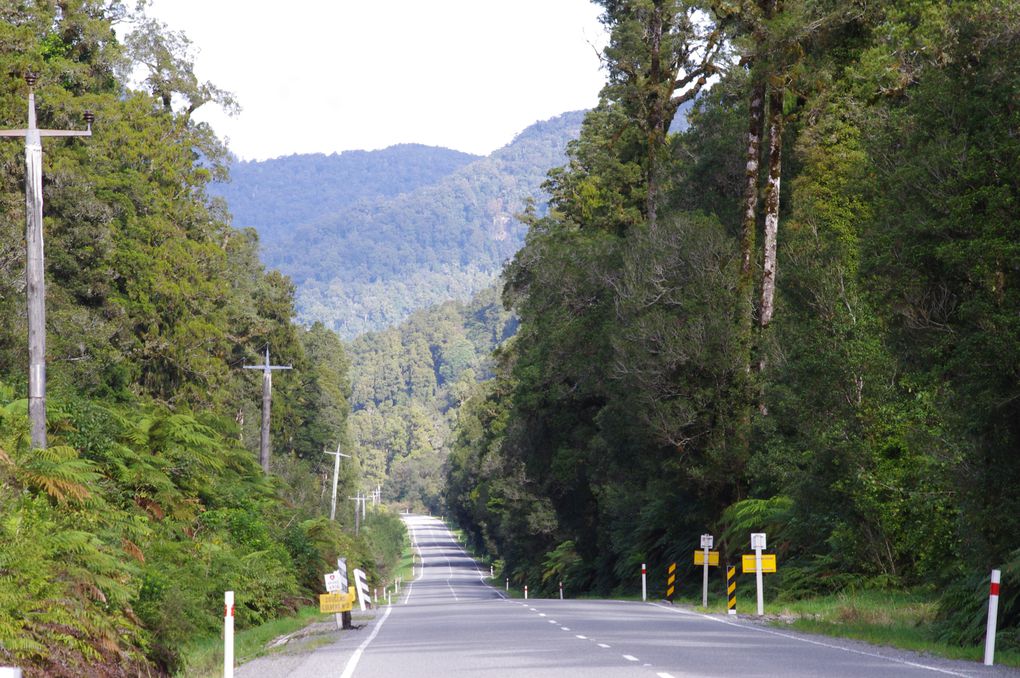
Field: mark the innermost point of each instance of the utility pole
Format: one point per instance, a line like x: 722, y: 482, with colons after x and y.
x: 34, y: 268
x: 336, y: 472
x: 267, y: 397
x: 359, y: 510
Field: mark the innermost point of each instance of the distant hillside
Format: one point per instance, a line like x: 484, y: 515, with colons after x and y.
x: 407, y: 383
x: 274, y: 196
x: 367, y: 246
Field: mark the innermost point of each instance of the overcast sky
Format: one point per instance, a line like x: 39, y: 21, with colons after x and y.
x: 334, y: 75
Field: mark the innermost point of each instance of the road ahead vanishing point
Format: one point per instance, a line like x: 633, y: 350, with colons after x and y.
x: 449, y: 622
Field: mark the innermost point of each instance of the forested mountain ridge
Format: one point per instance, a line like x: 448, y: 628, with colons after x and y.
x: 368, y: 263
x: 276, y: 196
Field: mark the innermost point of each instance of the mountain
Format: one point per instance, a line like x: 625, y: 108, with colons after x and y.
x: 370, y: 237
x: 275, y: 196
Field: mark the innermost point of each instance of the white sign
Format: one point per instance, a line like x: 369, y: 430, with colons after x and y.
x: 362, y: 586
x: 706, y: 541
x: 758, y: 541
x: 333, y: 583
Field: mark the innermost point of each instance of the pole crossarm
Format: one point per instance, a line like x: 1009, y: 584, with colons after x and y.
x: 267, y: 367
x: 34, y: 267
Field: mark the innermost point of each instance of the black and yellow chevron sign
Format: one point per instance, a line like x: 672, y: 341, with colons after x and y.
x: 671, y: 582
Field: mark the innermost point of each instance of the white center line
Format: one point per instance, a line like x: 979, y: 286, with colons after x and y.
x: 664, y: 675
x: 630, y: 658
x: 542, y: 614
x: 586, y: 637
x: 604, y: 645
x: 564, y: 628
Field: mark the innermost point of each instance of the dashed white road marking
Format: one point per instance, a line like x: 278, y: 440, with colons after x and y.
x: 604, y: 645
x: 663, y: 674
x: 812, y: 642
x: 630, y: 658
x: 586, y: 637
x: 553, y: 621
x: 564, y: 628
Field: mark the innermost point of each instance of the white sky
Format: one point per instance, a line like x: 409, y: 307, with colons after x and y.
x: 325, y: 76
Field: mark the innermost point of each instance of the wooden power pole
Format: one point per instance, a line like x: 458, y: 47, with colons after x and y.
x: 336, y: 473
x: 34, y: 268
x: 267, y: 397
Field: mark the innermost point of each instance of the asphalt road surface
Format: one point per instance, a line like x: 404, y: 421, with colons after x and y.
x: 449, y: 622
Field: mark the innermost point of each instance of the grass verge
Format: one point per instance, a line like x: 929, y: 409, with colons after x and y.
x: 204, y: 658
x: 897, y: 619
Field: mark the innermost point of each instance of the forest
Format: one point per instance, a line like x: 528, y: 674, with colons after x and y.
x: 368, y: 238
x: 120, y: 537
x: 797, y: 316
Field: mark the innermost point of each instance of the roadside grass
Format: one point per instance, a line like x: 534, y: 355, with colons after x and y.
x: 204, y: 658
x: 898, y: 619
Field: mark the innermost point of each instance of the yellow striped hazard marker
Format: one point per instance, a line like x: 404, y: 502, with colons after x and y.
x: 671, y: 582
x: 731, y: 589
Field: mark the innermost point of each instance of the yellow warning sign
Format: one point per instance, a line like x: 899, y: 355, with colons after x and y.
x: 331, y: 603
x: 713, y: 558
x: 768, y: 563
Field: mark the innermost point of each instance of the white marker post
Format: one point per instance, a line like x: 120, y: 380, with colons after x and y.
x: 508, y: 584
x: 561, y: 590
x: 993, y: 613
x: 525, y: 592
x: 758, y: 544
x: 644, y: 583
x: 706, y: 545
x: 228, y: 634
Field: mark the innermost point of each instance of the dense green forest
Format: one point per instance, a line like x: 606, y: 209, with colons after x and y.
x: 369, y: 238
x: 797, y: 316
x: 119, y: 539
x: 408, y: 383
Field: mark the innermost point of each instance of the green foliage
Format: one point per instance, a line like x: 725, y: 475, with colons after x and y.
x: 880, y: 449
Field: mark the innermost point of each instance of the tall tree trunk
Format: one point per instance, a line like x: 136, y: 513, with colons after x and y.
x: 745, y: 282
x: 768, y: 281
x: 752, y: 173
x: 656, y: 113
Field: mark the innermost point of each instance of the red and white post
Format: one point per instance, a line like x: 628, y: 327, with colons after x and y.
x: 561, y: 590
x: 525, y: 592
x: 993, y: 613
x: 228, y: 634
x: 644, y: 583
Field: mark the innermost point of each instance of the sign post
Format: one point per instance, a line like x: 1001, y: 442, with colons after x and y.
x: 644, y: 583
x: 706, y: 545
x: 341, y: 569
x: 758, y: 544
x: 993, y: 612
x: 228, y: 634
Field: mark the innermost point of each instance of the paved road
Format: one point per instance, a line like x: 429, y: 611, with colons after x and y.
x: 448, y: 622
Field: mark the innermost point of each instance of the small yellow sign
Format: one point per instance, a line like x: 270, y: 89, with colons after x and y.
x: 332, y: 603
x: 713, y: 558
x: 768, y: 563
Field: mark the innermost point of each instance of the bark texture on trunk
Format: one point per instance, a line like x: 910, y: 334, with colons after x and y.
x: 768, y: 281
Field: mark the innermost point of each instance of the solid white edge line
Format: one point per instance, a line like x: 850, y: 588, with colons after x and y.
x: 352, y: 663
x: 813, y: 642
